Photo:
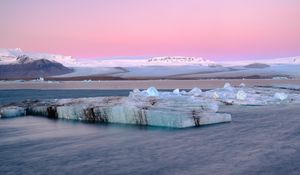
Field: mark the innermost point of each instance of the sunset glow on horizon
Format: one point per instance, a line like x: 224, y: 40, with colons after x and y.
x: 228, y: 29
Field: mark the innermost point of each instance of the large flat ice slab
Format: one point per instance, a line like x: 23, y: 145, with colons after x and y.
x: 177, y: 109
x: 139, y: 109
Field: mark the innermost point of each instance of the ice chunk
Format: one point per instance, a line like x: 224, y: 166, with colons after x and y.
x: 280, y: 78
x: 280, y: 96
x: 136, y: 93
x: 222, y: 94
x: 242, y: 85
x: 167, y: 110
x: 176, y: 91
x: 12, y: 111
x: 241, y: 95
x: 87, y: 81
x: 212, y: 118
x: 183, y: 92
x: 40, y: 79
x: 215, y: 95
x: 136, y: 90
x: 195, y: 91
x: 227, y: 85
x: 152, y: 91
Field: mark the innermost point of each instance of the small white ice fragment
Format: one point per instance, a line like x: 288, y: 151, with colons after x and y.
x: 227, y: 85
x: 280, y: 96
x: 183, y: 92
x: 241, y: 95
x: 136, y: 90
x: 216, y: 95
x: 195, y: 91
x: 40, y: 79
x: 152, y: 91
x: 242, y: 85
x: 12, y: 111
x: 176, y: 91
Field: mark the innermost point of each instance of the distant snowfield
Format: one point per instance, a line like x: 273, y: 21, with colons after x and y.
x: 275, y: 71
x: 166, y: 67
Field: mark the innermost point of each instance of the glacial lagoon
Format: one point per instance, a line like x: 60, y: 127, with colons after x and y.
x: 260, y: 139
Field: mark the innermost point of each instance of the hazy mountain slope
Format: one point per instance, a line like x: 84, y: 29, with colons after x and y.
x: 8, y: 56
x: 31, y: 68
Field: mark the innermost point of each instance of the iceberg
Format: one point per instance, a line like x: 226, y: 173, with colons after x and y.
x: 241, y: 95
x: 280, y: 96
x: 153, y: 108
x: 183, y: 92
x: 195, y: 92
x: 226, y: 85
x: 242, y: 85
x: 166, y: 110
x: 12, y: 111
x: 176, y: 91
x: 253, y: 96
x: 215, y: 95
x: 136, y: 90
x: 152, y: 91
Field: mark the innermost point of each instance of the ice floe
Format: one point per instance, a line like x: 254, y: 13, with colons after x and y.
x: 12, y: 111
x: 150, y: 108
x: 177, y: 109
x: 281, y: 96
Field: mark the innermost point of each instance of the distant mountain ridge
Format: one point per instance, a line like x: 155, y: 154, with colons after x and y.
x: 8, y: 56
x: 15, y: 63
x: 181, y: 59
x: 26, y: 67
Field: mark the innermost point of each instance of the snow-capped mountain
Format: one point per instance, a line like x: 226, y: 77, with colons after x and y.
x: 9, y: 56
x: 177, y: 67
x: 24, y: 66
x: 181, y: 60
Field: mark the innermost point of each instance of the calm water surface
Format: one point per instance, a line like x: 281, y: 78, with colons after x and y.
x: 260, y: 140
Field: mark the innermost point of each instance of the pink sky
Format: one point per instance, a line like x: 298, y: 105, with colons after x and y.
x: 216, y: 29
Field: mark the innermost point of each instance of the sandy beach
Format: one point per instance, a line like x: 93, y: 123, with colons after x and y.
x: 142, y: 84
